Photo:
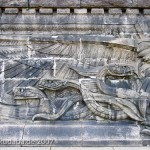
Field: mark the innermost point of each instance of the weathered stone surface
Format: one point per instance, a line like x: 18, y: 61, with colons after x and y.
x: 46, y: 11
x: 96, y: 28
x: 14, y: 3
x: 54, y: 3
x: 132, y: 11
x: 27, y: 11
x: 54, y: 134
x: 90, y: 38
x: 63, y: 70
x: 97, y: 11
x: 75, y: 73
x: 80, y: 11
x: 75, y: 3
x: 115, y: 3
x: 28, y: 68
x: 146, y: 11
x: 69, y: 134
x: 110, y: 134
x: 80, y: 17
x: 63, y: 11
x: 10, y: 134
x: 11, y: 11
x: 115, y: 11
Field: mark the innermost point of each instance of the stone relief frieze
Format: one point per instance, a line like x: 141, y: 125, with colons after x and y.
x: 77, y: 77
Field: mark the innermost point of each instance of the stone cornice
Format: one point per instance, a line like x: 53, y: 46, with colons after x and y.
x: 76, y: 11
x: 76, y: 3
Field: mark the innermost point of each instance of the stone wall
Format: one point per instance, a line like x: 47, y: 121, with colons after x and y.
x: 45, y: 40
x: 78, y: 61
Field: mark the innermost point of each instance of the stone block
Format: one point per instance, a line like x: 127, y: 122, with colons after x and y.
x: 90, y: 133
x: 97, y: 11
x: 132, y: 11
x: 104, y: 3
x: 115, y: 11
x: 146, y: 12
x: 78, y: 148
x: 29, y: 11
x: 115, y: 3
x: 109, y: 134
x: 45, y: 11
x: 60, y: 134
x: 83, y: 148
x: 11, y: 10
x: 11, y: 133
x: 8, y: 18
x: 141, y: 3
x: 63, y: 11
x: 133, y: 148
x: 14, y: 3
x: 80, y: 11
x: 55, y: 3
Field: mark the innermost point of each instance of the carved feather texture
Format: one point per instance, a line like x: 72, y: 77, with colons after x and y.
x: 82, y: 51
x: 55, y: 59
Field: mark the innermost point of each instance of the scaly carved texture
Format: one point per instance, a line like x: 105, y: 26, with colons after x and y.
x: 127, y: 107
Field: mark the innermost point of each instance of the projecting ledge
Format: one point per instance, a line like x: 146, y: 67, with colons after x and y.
x: 71, y: 133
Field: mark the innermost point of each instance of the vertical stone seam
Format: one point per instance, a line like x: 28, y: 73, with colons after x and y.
x: 54, y: 67
x: 82, y: 134
x: 3, y: 79
x: 137, y: 124
x: 28, y: 1
x: 23, y: 132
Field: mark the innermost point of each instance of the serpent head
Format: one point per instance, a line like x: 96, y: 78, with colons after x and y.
x: 121, y: 70
x: 27, y: 92
x: 21, y: 92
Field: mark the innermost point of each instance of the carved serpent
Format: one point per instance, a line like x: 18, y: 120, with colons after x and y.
x: 93, y: 102
x: 117, y: 70
x: 55, y: 84
x: 116, y: 96
x: 32, y: 93
x: 119, y: 97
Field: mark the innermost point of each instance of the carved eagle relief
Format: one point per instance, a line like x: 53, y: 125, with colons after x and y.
x: 71, y: 77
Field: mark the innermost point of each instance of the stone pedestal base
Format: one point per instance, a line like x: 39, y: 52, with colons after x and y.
x: 72, y: 133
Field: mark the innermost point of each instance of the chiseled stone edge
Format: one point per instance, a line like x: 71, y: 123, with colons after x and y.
x: 124, y: 42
